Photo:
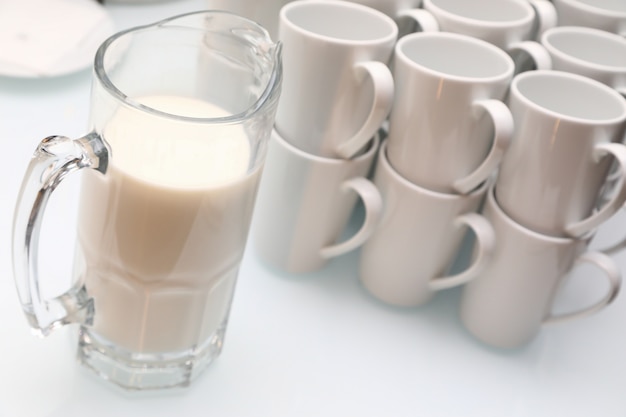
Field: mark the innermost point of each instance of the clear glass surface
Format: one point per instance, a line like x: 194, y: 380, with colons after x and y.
x: 181, y: 112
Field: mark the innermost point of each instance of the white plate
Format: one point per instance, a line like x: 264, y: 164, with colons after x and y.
x: 48, y: 38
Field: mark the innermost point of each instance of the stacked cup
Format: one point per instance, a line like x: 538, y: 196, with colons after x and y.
x: 513, y: 25
x: 609, y: 16
x: 448, y: 130
x: 447, y: 153
x: 543, y: 206
x: 337, y: 91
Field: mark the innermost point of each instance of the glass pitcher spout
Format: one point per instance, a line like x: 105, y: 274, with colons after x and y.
x: 237, y: 58
x: 249, y: 33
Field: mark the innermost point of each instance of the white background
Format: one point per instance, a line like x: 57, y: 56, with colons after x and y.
x: 314, y: 345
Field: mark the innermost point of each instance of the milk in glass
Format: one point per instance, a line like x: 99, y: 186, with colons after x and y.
x: 162, y: 234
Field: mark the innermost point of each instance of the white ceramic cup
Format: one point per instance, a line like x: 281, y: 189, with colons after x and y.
x: 567, y: 127
x: 394, y: 9
x: 408, y: 257
x: 391, y: 8
x: 506, y: 305
x: 512, y: 25
x: 305, y: 202
x: 594, y: 53
x: 264, y: 12
x: 448, y: 127
x: 337, y: 89
x: 608, y: 15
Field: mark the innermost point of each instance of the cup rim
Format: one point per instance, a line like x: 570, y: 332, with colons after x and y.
x: 591, y: 32
x: 419, y: 36
x: 614, y: 95
x: 589, y: 8
x: 492, y: 202
x: 484, y: 23
x: 476, y: 192
x: 373, y: 146
x: 390, y: 37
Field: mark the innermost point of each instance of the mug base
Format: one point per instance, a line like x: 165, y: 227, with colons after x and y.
x: 147, y: 371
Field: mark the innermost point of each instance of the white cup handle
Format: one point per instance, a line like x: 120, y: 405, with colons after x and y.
x: 613, y: 275
x: 485, y: 241
x: 614, y: 248
x: 546, y: 16
x: 503, y: 132
x: 373, y: 203
x: 423, y: 18
x: 540, y: 56
x: 382, y: 80
x: 618, y: 151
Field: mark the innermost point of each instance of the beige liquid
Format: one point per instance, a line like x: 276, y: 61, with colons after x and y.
x: 161, y: 235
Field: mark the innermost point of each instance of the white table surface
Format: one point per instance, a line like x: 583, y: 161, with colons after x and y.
x: 314, y: 345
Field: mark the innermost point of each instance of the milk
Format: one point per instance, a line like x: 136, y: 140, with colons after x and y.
x: 161, y: 235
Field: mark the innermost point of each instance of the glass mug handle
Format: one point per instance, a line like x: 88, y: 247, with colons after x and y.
x: 54, y: 159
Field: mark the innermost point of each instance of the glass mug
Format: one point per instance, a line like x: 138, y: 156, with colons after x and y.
x: 181, y: 113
